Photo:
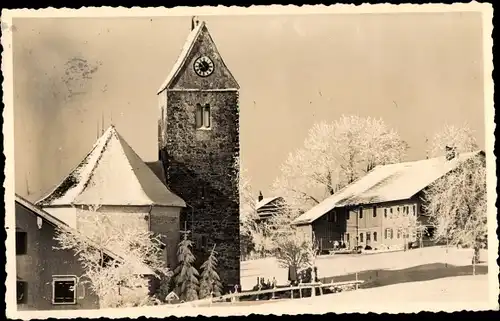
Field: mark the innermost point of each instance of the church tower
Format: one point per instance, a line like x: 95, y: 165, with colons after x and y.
x: 199, y: 148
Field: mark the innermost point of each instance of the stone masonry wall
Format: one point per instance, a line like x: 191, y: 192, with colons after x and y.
x: 200, y: 166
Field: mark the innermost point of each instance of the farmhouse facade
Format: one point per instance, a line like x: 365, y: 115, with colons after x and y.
x: 370, y: 211
x: 199, y: 148
x: 49, y: 278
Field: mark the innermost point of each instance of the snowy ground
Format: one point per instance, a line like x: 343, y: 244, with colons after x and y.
x: 343, y: 264
x: 445, y: 294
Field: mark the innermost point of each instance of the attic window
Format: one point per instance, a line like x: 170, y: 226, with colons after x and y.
x: 203, y: 116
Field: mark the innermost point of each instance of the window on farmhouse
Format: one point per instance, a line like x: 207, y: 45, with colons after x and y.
x: 21, y: 242
x: 64, y: 290
x: 22, y: 292
x: 391, y: 210
x: 361, y: 237
x: 368, y: 236
x: 375, y: 236
x: 374, y: 211
x: 360, y: 212
x: 385, y: 212
x: 398, y: 234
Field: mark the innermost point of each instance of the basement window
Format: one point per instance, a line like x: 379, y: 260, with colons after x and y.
x: 63, y: 290
x: 21, y: 243
x: 22, y: 292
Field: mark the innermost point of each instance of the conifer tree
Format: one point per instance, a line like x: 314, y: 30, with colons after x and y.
x: 210, y: 282
x: 186, y: 274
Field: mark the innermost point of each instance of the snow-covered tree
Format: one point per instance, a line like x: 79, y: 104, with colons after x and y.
x: 117, y: 281
x: 248, y: 215
x: 334, y: 155
x: 186, y: 275
x: 461, y: 138
x: 210, y: 284
x: 457, y: 203
x: 290, y: 245
x: 406, y: 224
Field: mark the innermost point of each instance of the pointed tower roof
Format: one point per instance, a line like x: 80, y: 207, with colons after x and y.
x: 112, y: 174
x: 191, y: 40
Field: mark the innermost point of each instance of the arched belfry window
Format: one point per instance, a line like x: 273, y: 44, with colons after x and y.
x: 203, y: 116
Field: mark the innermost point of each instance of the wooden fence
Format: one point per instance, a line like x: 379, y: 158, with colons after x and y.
x: 313, y: 286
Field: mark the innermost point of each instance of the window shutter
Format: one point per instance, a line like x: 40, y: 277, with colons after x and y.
x: 80, y: 291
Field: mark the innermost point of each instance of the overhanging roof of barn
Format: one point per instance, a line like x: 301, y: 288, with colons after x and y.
x: 387, y: 183
x: 140, y: 268
x: 112, y: 174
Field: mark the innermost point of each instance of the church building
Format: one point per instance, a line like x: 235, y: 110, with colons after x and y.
x: 194, y: 185
x: 199, y: 148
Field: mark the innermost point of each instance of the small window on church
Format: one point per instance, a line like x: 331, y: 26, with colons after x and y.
x: 199, y: 116
x: 206, y: 116
x: 203, y: 117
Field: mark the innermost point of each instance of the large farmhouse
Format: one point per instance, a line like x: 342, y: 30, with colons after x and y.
x: 364, y: 212
x: 49, y: 278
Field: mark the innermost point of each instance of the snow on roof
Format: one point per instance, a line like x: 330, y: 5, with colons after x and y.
x: 386, y: 183
x: 265, y: 201
x: 138, y: 267
x: 190, y: 41
x: 112, y: 174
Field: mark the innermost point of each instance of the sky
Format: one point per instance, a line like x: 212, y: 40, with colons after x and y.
x: 416, y: 71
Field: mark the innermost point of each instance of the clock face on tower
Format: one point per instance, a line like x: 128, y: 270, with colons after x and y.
x: 203, y: 66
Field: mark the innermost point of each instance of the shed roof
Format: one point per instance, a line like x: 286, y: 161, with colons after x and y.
x: 265, y: 201
x: 387, y: 183
x: 112, y: 174
x: 140, y: 268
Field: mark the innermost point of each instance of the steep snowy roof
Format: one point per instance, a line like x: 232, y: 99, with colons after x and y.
x: 386, y: 183
x: 112, y: 174
x: 186, y: 49
x: 140, y: 268
x: 265, y: 201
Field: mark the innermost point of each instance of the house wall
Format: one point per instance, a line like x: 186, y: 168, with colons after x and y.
x: 165, y: 220
x: 67, y: 214
x: 158, y: 219
x: 347, y: 224
x: 41, y: 262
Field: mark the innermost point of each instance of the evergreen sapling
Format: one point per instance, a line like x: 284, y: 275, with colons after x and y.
x: 210, y: 284
x: 186, y: 274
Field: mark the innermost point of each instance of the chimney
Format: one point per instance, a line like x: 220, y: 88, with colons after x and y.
x: 260, y: 196
x: 451, y: 153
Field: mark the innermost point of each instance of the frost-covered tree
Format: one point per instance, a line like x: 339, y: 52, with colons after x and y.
x: 290, y: 245
x: 118, y: 281
x: 457, y: 203
x: 334, y: 155
x: 461, y: 138
x: 210, y: 284
x: 406, y: 224
x: 248, y: 215
x: 186, y: 275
